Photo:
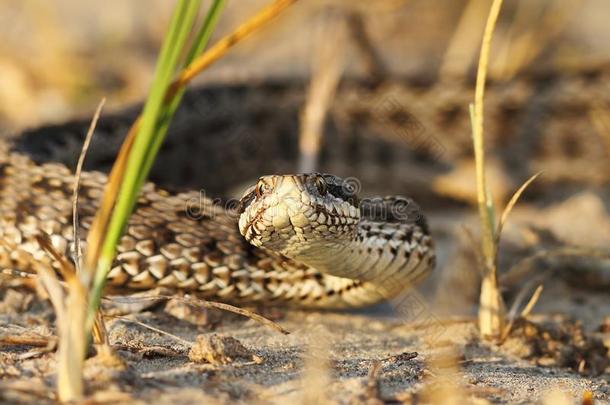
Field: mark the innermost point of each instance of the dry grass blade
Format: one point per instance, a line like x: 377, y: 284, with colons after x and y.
x: 72, y: 343
x: 512, y: 314
x: 77, y: 176
x: 372, y: 386
x: 483, y: 197
x: 492, y: 313
x: 65, y: 267
x: 221, y: 47
x: 509, y: 207
x: 532, y: 302
x: 208, y: 305
x: 160, y: 331
x: 71, y: 304
x: 26, y: 340
x: 514, y: 309
x: 102, y: 218
x: 327, y: 72
x: 243, y: 312
x: 100, y: 333
x: 70, y: 310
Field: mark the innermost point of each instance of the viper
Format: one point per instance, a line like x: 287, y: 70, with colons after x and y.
x: 305, y: 240
x: 334, y: 249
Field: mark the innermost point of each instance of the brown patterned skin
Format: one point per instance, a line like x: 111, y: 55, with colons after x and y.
x: 181, y: 241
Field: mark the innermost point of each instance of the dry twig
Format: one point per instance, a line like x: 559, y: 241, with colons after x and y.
x: 77, y: 175
x: 208, y: 305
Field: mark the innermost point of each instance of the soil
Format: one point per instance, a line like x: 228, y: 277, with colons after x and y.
x: 422, y: 346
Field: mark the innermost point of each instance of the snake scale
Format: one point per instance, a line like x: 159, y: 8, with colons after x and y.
x: 308, y: 240
x: 314, y: 247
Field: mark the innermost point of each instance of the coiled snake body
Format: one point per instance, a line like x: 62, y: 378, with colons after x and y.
x: 327, y: 250
x: 311, y: 241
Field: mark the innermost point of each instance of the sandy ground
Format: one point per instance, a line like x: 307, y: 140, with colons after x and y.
x: 407, y: 350
x: 344, y: 347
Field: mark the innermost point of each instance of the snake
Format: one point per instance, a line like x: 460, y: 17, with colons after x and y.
x: 306, y: 240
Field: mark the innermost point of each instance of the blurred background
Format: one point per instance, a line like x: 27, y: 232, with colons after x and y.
x: 58, y: 58
x: 376, y: 91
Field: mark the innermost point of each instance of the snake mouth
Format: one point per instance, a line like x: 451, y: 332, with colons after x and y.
x: 248, y: 231
x: 268, y: 226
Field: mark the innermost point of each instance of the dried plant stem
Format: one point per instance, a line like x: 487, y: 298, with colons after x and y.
x: 99, y: 330
x: 102, y: 217
x: 77, y: 175
x: 492, y: 312
x: 322, y: 88
x: 27, y: 340
x: 70, y: 311
x: 512, y: 314
x: 69, y: 299
x: 149, y: 327
x: 219, y: 49
x: 532, y: 301
x: 195, y: 302
x: 509, y: 207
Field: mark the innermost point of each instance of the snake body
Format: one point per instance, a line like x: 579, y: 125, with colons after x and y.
x: 337, y: 254
x: 189, y: 242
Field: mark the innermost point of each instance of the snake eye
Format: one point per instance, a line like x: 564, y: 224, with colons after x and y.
x: 321, y: 185
x: 261, y: 187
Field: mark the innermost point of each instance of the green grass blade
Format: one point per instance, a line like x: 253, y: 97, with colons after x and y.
x: 199, y: 44
x: 180, y: 26
x: 205, y: 32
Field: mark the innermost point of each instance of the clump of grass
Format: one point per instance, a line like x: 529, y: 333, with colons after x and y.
x: 69, y: 302
x: 492, y: 310
x: 77, y: 306
x: 138, y: 153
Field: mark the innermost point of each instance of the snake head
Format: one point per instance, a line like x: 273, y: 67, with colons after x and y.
x: 294, y: 214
